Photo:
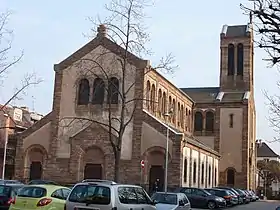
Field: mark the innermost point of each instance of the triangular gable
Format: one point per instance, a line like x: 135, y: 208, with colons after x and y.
x: 106, y: 43
x: 265, y: 151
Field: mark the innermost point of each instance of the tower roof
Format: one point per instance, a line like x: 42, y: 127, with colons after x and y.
x: 236, y: 30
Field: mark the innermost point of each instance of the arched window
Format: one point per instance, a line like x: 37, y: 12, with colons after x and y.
x: 230, y: 176
x: 83, y: 92
x: 202, y: 173
x: 209, y: 175
x: 190, y: 120
x: 230, y: 59
x: 174, y: 111
x: 185, y: 170
x: 210, y: 121
x: 148, y: 93
x: 194, y: 172
x: 153, y: 98
x: 182, y: 116
x: 160, y: 102
x: 215, y: 177
x: 178, y: 114
x: 113, y: 91
x: 240, y: 58
x: 169, y: 107
x: 187, y: 119
x: 198, y: 121
x: 164, y: 103
x: 98, y: 91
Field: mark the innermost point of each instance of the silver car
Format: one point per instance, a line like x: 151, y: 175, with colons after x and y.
x: 107, y: 195
x: 171, y: 201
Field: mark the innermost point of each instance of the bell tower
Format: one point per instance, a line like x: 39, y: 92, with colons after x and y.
x: 237, y: 49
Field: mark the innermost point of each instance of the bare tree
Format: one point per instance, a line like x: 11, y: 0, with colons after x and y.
x: 124, y: 27
x: 6, y: 62
x: 265, y: 17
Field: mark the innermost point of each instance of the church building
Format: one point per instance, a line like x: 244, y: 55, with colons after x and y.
x: 211, y: 130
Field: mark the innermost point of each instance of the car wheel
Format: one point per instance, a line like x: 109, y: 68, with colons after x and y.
x: 211, y: 205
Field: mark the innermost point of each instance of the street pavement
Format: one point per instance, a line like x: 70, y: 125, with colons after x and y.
x: 258, y: 205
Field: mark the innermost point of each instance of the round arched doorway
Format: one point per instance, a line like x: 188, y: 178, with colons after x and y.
x: 94, y: 163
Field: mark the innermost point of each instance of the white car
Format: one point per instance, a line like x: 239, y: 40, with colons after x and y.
x: 171, y: 201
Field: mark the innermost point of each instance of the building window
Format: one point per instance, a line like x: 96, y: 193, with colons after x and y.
x: 186, y: 120
x: 113, y: 91
x: 83, y: 92
x: 164, y: 103
x: 230, y: 59
x: 194, y: 172
x: 160, y: 102
x: 240, y: 58
x: 215, y: 177
x: 230, y: 176
x: 174, y: 111
x: 185, y: 170
x: 202, y: 173
x: 148, y: 92
x: 153, y: 98
x: 210, y: 121
x: 98, y: 91
x: 209, y: 175
x: 179, y: 114
x: 198, y: 121
x: 231, y: 120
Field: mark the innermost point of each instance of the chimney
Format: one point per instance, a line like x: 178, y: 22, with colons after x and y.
x: 102, y: 31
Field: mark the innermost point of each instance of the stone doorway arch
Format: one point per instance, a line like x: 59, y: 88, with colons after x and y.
x: 94, y: 163
x: 35, y: 159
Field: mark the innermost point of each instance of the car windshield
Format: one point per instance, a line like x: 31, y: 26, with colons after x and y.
x: 165, y: 198
x: 32, y: 192
x: 91, y: 194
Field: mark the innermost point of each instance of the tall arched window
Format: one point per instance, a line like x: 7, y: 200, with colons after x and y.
x: 240, y: 59
x: 202, y: 173
x: 153, y: 98
x: 198, y: 121
x: 98, y: 91
x: 230, y: 59
x: 174, y: 111
x: 179, y: 114
x: 83, y: 92
x: 182, y: 116
x: 230, y: 176
x: 113, y: 91
x: 169, y: 107
x: 187, y: 119
x: 164, y: 103
x: 160, y: 102
x: 148, y: 93
x: 215, y: 177
x: 210, y: 121
x: 209, y: 175
x: 185, y: 170
x: 194, y: 171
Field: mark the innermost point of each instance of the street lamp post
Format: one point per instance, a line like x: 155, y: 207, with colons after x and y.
x: 5, y: 149
x: 167, y: 150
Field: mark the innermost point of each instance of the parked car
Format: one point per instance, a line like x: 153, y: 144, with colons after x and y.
x: 200, y: 198
x: 32, y: 197
x: 230, y: 198
x: 240, y: 199
x: 171, y: 201
x: 107, y: 196
x: 248, y: 195
x: 243, y: 195
x: 8, y: 194
x: 40, y: 182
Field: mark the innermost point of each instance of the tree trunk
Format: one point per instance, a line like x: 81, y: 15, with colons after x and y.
x: 117, y: 166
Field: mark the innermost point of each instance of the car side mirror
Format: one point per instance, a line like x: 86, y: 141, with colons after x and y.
x: 181, y: 203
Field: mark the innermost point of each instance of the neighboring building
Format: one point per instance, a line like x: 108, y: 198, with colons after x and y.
x: 205, y: 121
x: 264, y: 152
x: 13, y: 120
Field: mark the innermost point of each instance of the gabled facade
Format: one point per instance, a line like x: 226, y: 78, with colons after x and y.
x: 199, y: 133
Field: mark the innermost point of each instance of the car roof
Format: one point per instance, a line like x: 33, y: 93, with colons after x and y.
x: 106, y: 184
x: 218, y: 189
x: 171, y: 193
x: 47, y: 186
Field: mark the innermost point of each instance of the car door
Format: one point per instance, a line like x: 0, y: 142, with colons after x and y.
x: 200, y: 197
x: 183, y: 198
x: 128, y: 198
x: 144, y: 201
x: 58, y: 198
x: 188, y: 193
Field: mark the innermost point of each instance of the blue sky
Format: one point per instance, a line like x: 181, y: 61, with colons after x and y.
x: 48, y: 31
